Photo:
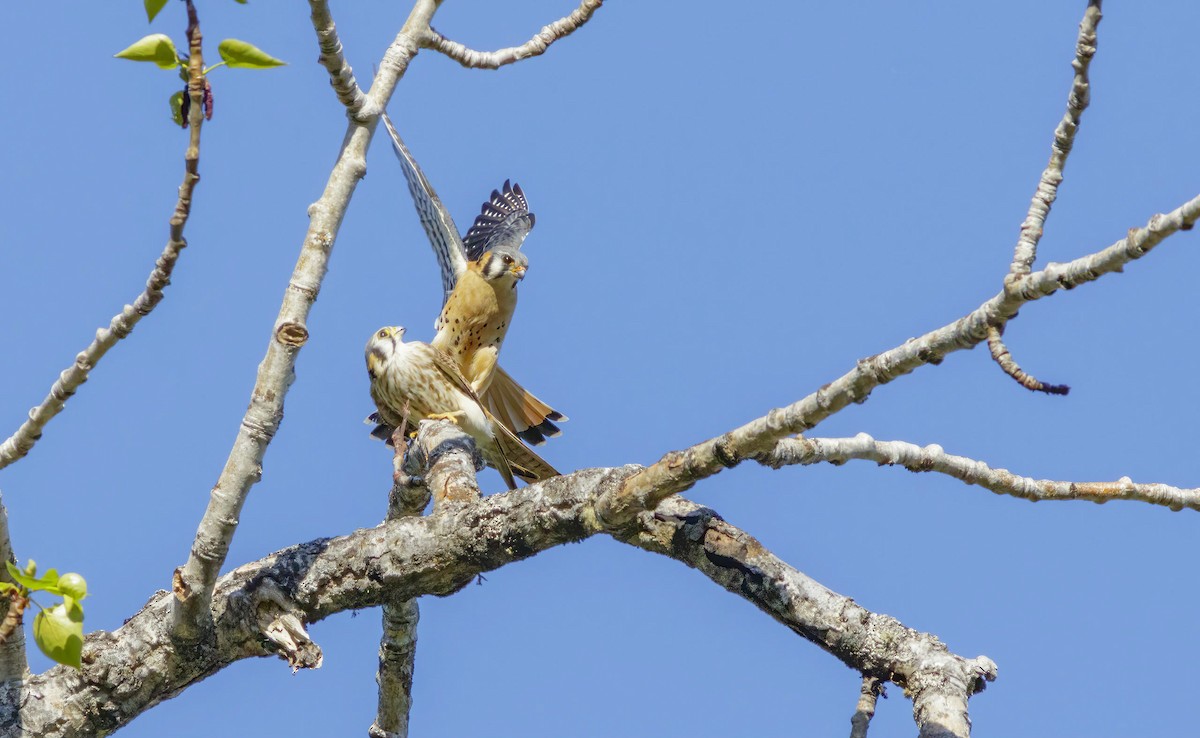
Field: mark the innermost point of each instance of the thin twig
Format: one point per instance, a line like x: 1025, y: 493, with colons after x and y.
x: 19, y: 443
x: 933, y: 458
x: 341, y: 76
x: 1064, y: 140
x: 1003, y: 357
x: 1047, y: 191
x: 871, y: 689
x: 193, y: 582
x: 679, y: 470
x: 535, y: 46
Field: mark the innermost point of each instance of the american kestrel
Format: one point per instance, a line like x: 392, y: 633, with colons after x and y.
x: 414, y: 381
x: 479, y: 310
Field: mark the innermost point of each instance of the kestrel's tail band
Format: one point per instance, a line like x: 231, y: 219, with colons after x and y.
x: 519, y: 410
x: 524, y: 462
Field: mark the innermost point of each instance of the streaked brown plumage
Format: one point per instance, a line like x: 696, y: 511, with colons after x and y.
x: 416, y: 381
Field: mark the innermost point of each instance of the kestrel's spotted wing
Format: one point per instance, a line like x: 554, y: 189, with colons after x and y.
x: 435, y: 218
x: 503, y: 223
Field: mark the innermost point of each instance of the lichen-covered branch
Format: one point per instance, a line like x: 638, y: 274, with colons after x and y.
x: 1064, y: 140
x: 938, y: 681
x: 398, y: 645
x: 679, y: 470
x: 19, y: 443
x: 1001, y: 481
x: 193, y: 582
x: 535, y: 46
x: 264, y: 608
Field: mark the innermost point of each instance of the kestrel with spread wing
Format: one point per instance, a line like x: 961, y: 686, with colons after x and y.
x: 476, y: 317
x: 480, y: 275
x: 414, y: 381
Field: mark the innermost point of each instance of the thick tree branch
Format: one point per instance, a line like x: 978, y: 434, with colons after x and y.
x: 679, y: 470
x: 19, y: 443
x: 535, y: 46
x: 263, y: 608
x: 398, y: 645
x: 193, y: 582
x: 939, y: 681
x: 13, y: 665
x: 1001, y: 481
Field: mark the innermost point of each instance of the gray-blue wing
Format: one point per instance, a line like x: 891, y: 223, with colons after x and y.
x: 503, y: 221
x: 439, y: 226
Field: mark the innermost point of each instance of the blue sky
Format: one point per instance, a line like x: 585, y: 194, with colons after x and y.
x: 732, y: 208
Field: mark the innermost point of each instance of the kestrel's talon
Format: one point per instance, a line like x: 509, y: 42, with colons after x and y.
x: 452, y: 416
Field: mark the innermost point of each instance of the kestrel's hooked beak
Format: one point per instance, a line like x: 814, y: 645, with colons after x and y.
x: 518, y: 271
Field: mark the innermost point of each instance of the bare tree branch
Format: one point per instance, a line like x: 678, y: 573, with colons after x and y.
x: 263, y: 608
x: 1001, y: 481
x: 19, y: 443
x: 872, y: 688
x: 1064, y: 140
x: 679, y: 470
x: 193, y: 582
x: 938, y: 681
x: 1002, y: 356
x: 341, y: 76
x: 1047, y: 191
x: 398, y: 646
x: 13, y: 665
x: 535, y: 46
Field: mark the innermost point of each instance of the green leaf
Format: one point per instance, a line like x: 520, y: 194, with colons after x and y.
x: 152, y: 8
x: 58, y: 632
x: 156, y: 47
x: 177, y: 108
x: 6, y: 587
x: 241, y: 2
x: 248, y: 56
x: 22, y: 578
x: 72, y: 585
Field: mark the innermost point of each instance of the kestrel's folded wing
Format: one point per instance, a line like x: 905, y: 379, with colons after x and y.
x: 504, y: 220
x: 439, y: 226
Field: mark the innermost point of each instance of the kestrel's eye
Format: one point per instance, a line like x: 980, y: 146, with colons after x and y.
x: 507, y: 259
x: 382, y: 333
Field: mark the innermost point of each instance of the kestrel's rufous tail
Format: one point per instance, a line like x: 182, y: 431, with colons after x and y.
x: 519, y: 410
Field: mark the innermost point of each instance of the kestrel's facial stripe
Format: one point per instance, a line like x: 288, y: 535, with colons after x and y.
x: 375, y: 360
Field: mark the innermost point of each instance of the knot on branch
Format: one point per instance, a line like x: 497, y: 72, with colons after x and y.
x: 294, y: 335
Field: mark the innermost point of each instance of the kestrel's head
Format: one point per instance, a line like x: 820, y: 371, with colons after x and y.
x: 382, y: 345
x: 505, y: 263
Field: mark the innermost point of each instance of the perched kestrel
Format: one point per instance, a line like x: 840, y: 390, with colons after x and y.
x: 414, y: 381
x: 479, y: 310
